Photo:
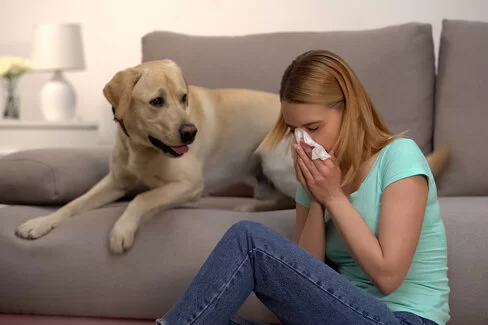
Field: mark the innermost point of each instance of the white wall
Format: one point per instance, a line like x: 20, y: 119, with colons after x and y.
x: 112, y: 30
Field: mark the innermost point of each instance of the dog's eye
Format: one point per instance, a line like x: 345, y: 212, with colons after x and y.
x: 184, y: 99
x: 158, y: 101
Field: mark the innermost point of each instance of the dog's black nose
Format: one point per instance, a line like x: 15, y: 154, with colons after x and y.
x: 187, y: 133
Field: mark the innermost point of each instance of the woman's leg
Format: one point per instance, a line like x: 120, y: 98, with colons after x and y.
x: 297, y: 287
x: 236, y: 320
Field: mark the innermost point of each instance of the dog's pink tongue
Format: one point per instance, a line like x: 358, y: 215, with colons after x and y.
x: 180, y: 149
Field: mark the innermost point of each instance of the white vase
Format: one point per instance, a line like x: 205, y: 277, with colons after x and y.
x: 58, y: 99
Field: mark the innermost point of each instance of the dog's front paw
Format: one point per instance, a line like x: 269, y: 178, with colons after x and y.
x: 121, y: 238
x: 36, y: 227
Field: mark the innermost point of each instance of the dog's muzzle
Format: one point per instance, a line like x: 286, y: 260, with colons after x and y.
x: 176, y: 151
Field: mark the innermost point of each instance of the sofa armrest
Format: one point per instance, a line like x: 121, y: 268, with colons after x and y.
x: 51, y: 176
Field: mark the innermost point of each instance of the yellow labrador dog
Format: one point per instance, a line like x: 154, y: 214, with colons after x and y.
x: 183, y: 142
x: 160, y: 118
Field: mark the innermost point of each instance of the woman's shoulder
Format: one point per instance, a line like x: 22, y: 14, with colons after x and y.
x: 402, y: 144
x: 404, y: 149
x: 401, y: 158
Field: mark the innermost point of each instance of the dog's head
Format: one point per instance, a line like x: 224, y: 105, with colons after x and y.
x: 150, y: 101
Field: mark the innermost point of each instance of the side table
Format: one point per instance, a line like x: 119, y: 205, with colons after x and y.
x: 18, y: 135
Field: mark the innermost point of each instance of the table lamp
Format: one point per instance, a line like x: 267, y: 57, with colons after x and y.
x: 57, y: 48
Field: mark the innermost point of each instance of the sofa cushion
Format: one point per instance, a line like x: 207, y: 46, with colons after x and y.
x: 461, y: 121
x: 396, y: 65
x: 50, y: 176
x: 466, y: 221
x: 71, y: 272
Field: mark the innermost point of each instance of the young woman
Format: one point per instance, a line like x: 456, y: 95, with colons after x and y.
x: 385, y: 234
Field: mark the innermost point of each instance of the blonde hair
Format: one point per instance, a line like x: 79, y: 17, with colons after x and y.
x: 322, y: 77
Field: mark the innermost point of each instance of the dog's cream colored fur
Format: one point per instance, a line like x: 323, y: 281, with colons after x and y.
x: 231, y: 124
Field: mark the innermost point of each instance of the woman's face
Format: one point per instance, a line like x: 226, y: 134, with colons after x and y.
x: 320, y: 122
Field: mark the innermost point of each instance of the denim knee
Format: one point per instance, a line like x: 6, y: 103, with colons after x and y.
x: 250, y: 234
x: 244, y: 227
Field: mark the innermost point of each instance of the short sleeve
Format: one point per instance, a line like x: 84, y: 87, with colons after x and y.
x: 301, y: 196
x: 403, y: 159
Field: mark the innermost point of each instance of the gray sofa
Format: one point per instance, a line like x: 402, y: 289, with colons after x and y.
x: 69, y: 276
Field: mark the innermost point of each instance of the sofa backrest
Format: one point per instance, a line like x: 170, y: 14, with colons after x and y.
x: 461, y: 121
x: 395, y: 64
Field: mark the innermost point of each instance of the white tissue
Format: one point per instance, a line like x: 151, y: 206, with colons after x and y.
x: 318, y: 152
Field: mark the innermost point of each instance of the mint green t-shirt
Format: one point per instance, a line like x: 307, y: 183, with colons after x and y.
x: 425, y: 291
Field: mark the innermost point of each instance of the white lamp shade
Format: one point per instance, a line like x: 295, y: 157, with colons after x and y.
x: 57, y: 47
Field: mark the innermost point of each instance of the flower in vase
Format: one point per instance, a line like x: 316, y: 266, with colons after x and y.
x: 12, y: 67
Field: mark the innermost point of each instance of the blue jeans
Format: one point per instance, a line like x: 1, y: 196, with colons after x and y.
x: 297, y: 287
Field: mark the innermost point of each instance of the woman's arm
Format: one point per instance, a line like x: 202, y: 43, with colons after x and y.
x: 385, y: 259
x: 310, y: 229
x: 301, y: 217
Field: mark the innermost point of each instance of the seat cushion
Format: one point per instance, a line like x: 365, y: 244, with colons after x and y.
x: 396, y: 65
x: 466, y: 221
x: 461, y: 107
x: 71, y: 272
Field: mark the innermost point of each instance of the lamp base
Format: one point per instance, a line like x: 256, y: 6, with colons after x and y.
x: 58, y: 99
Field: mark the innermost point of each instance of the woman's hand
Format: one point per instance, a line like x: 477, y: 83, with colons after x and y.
x: 322, y: 178
x: 299, y: 174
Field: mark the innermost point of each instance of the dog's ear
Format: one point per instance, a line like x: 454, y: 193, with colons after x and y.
x: 118, y: 91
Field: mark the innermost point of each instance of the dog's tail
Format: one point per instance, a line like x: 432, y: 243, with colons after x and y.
x: 437, y: 160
